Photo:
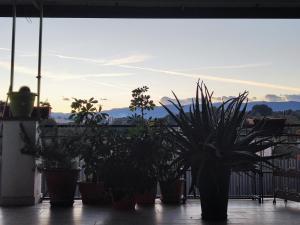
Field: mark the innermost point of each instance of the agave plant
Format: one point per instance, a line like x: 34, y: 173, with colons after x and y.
x: 213, y: 142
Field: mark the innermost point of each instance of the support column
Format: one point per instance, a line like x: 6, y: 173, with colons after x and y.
x: 20, y: 182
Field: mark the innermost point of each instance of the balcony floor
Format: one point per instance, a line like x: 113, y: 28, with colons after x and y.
x: 240, y: 212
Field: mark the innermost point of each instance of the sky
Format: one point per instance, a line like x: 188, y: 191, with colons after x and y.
x: 108, y: 58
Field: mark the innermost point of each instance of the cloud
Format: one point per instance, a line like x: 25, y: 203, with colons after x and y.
x: 67, y: 76
x: 238, y: 66
x: 136, y: 58
x: 21, y: 69
x: 127, y: 60
x: 166, y: 100
x: 5, y: 49
x: 66, y: 99
x: 274, y: 98
x: 294, y: 97
x: 215, y: 78
x: 59, y: 75
x: 282, y: 98
x: 186, y: 101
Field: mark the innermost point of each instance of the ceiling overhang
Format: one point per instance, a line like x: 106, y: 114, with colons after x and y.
x: 156, y: 8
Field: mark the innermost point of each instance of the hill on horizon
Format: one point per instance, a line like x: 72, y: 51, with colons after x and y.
x: 160, y: 112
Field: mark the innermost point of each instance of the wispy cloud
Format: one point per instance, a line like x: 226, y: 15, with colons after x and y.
x: 282, y: 98
x: 215, y: 78
x: 135, y: 58
x: 67, y: 76
x: 21, y: 69
x: 17, y: 51
x: 5, y: 49
x: 127, y: 60
x: 90, y: 60
x: 237, y: 66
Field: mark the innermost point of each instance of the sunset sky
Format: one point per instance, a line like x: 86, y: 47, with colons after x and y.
x: 107, y: 58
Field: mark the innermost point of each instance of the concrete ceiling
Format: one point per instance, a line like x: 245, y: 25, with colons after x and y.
x: 156, y: 8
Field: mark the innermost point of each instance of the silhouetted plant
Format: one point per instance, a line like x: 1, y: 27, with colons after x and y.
x: 141, y: 101
x: 86, y: 112
x: 213, y: 142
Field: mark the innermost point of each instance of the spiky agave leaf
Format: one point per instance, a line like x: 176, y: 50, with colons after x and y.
x: 207, y: 134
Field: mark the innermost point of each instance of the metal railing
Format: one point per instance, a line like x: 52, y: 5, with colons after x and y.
x: 242, y: 185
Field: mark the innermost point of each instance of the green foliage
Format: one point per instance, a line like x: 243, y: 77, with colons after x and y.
x: 141, y: 101
x: 94, y: 145
x: 94, y: 151
x: 215, y: 137
x: 85, y: 112
x: 146, y: 150
x: 55, y: 151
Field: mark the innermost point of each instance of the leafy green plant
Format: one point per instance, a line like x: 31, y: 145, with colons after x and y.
x: 56, y: 151
x: 86, y: 112
x: 145, y: 153
x: 141, y: 101
x: 94, y: 151
x: 119, y: 172
x: 94, y: 148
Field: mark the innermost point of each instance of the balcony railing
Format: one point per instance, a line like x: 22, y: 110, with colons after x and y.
x: 242, y: 185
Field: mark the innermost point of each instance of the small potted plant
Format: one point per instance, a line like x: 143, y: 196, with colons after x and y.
x: 44, y: 110
x: 21, y: 102
x: 170, y: 181
x: 94, y: 154
x: 94, y: 150
x: 120, y: 174
x: 146, y: 146
x: 59, y: 162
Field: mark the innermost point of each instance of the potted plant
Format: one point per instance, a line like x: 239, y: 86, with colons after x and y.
x: 94, y: 150
x: 146, y: 147
x: 170, y: 181
x: 59, y: 163
x: 21, y: 102
x: 212, y: 142
x: 120, y: 173
x: 44, y: 110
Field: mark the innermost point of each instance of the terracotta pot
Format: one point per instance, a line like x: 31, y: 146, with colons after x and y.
x: 123, y: 199
x: 147, y: 197
x: 171, y: 192
x: 61, y: 185
x: 94, y: 193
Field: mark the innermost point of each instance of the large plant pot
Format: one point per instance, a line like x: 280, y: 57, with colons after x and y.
x: 123, y: 199
x: 61, y: 185
x: 213, y: 188
x: 94, y: 194
x: 171, y: 192
x: 21, y: 104
x: 147, y: 197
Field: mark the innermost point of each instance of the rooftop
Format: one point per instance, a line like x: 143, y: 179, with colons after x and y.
x: 156, y: 8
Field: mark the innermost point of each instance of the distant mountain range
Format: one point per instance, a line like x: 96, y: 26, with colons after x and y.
x: 159, y: 111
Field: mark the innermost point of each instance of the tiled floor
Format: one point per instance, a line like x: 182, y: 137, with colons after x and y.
x: 246, y: 212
